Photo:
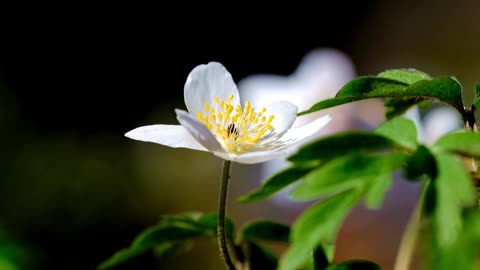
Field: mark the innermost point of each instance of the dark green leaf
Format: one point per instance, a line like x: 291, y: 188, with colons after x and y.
x: 260, y: 258
x: 276, y: 183
x: 122, y: 256
x: 355, y: 265
x: 476, y: 100
x: 341, y: 144
x: 421, y: 163
x: 346, y: 173
x: 454, y: 191
x: 376, y: 191
x: 463, y: 143
x: 266, y: 230
x: 405, y: 75
x: 320, y: 259
x: 316, y: 226
x: 443, y: 89
x: 400, y: 130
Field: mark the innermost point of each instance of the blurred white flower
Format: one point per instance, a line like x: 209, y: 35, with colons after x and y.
x: 436, y: 123
x: 216, y: 121
x: 319, y: 76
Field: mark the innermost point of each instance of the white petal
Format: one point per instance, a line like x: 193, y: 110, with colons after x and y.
x: 169, y: 135
x: 295, y: 135
x: 285, y: 114
x: 256, y: 157
x: 198, y: 131
x: 205, y: 83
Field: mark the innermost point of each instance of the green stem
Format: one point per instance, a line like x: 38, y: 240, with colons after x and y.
x: 410, y: 236
x: 222, y: 242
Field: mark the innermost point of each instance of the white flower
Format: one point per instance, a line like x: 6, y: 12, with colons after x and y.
x: 216, y: 121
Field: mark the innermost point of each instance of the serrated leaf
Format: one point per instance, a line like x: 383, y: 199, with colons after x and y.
x: 422, y: 162
x: 355, y: 265
x: 378, y: 187
x: 276, y: 183
x: 405, y: 75
x: 316, y: 226
x: 463, y: 143
x: 266, y: 230
x: 260, y: 258
x: 445, y: 90
x: 454, y: 191
x: 346, y: 173
x: 400, y: 130
x: 341, y: 144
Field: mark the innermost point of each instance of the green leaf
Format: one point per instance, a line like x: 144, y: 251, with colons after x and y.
x: 266, y: 230
x: 355, y: 265
x: 316, y: 226
x: 463, y: 253
x: 276, y: 183
x: 342, y: 144
x: 346, y: 173
x: 259, y: 258
x: 463, y: 143
x: 443, y: 89
x: 400, y: 130
x: 169, y: 233
x: 454, y: 191
x: 405, y: 75
x: 377, y: 189
x: 476, y: 99
x: 422, y: 162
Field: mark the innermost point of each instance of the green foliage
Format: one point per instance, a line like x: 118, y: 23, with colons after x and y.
x: 476, y: 99
x: 260, y: 258
x: 342, y: 144
x: 318, y: 225
x: 407, y: 86
x: 276, y: 183
x: 345, y: 173
x: 422, y: 162
x: 376, y: 190
x: 463, y: 143
x: 453, y: 192
x: 169, y: 233
x: 400, y: 130
x: 266, y: 230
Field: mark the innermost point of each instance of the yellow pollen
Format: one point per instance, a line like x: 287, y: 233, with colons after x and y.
x: 236, y: 129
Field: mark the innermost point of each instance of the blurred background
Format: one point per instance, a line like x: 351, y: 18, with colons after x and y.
x: 73, y: 190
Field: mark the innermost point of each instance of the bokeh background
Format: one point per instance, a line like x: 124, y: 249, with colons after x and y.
x: 73, y: 190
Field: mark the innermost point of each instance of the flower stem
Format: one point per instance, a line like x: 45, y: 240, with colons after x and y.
x: 410, y: 236
x: 222, y: 242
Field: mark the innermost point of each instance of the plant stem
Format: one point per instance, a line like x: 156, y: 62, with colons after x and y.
x: 410, y: 236
x: 222, y: 242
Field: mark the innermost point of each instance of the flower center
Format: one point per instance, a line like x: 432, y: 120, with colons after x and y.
x: 235, y: 128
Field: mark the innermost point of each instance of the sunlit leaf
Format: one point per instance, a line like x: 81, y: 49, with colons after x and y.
x: 317, y: 225
x: 464, y: 143
x: 276, y: 183
x: 377, y: 190
x: 345, y: 173
x: 400, y: 130
x: 405, y: 75
x: 442, y: 89
x: 265, y: 230
x: 454, y: 191
x: 341, y: 144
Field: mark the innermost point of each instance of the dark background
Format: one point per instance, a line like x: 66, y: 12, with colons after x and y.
x: 72, y: 83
